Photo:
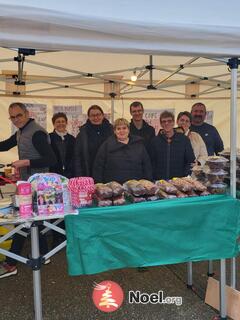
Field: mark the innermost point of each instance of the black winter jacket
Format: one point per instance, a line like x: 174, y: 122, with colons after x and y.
x: 64, y: 150
x: 120, y: 162
x: 147, y: 132
x: 171, y: 159
x: 88, y: 141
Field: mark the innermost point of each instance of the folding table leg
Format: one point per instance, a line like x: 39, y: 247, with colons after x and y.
x: 36, y: 272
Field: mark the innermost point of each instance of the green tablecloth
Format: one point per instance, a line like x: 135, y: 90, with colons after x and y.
x: 152, y: 233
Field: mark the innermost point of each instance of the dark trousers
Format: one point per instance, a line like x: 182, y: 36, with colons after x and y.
x: 18, y: 243
x: 58, y: 237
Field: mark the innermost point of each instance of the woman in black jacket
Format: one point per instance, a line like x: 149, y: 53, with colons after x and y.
x: 63, y: 145
x: 92, y: 134
x: 122, y: 157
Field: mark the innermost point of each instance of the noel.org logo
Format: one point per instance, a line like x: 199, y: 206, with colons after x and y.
x: 107, y: 296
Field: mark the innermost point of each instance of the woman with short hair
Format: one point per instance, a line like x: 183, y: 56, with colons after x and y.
x: 63, y: 145
x: 122, y: 157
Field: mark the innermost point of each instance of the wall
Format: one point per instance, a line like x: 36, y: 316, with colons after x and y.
x: 221, y: 109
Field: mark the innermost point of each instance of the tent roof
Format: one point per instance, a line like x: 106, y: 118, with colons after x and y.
x: 206, y: 28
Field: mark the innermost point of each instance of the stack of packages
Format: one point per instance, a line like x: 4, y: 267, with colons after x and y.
x: 81, y: 191
x: 180, y: 188
x: 216, y: 174
x: 109, y: 194
x: 140, y: 190
x: 48, y: 193
x: 226, y: 154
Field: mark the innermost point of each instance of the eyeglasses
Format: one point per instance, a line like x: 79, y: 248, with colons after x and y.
x: 17, y: 117
x: 166, y: 121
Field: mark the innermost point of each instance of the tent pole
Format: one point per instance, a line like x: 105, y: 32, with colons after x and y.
x: 112, y: 94
x: 223, y: 305
x: 233, y: 64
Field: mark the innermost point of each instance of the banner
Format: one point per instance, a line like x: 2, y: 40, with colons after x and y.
x: 75, y: 117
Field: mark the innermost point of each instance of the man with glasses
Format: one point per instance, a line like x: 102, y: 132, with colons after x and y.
x: 138, y: 126
x: 34, y: 148
x: 171, y: 152
x: 35, y: 155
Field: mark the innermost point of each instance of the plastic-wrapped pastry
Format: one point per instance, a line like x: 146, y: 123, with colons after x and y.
x: 204, y: 193
x: 192, y: 194
x: 217, y: 188
x: 216, y: 162
x: 104, y: 203
x: 118, y: 201
x: 181, y: 194
x: 152, y: 198
x: 117, y: 188
x: 164, y: 195
x: 166, y: 186
x: 182, y: 185
x: 103, y: 191
x: 216, y: 176
x: 134, y: 187
x: 197, y: 186
x: 150, y: 187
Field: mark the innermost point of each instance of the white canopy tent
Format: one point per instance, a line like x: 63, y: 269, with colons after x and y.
x: 206, y: 29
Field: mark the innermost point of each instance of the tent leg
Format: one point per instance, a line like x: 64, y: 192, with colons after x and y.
x: 223, y: 312
x: 233, y: 64
x: 36, y: 273
x: 189, y: 275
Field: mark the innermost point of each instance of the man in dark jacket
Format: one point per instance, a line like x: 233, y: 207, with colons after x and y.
x: 138, y: 126
x: 171, y: 152
x: 208, y: 132
x: 92, y: 134
x: 122, y: 157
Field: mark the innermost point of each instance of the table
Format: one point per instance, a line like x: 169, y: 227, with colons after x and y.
x: 152, y: 233
x: 36, y: 261
x: 155, y: 233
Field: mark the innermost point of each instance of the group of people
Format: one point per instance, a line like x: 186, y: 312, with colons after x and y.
x: 106, y: 152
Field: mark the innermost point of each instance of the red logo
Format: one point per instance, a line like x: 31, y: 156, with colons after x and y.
x: 107, y: 296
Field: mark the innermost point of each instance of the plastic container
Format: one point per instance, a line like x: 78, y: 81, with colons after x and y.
x: 216, y: 176
x: 216, y: 163
x: 217, y: 188
x: 81, y: 191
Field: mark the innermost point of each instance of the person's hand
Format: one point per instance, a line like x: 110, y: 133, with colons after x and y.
x: 21, y: 163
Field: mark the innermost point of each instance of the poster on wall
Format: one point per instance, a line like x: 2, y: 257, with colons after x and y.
x: 75, y: 117
x: 209, y: 117
x: 152, y: 117
x: 37, y: 112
